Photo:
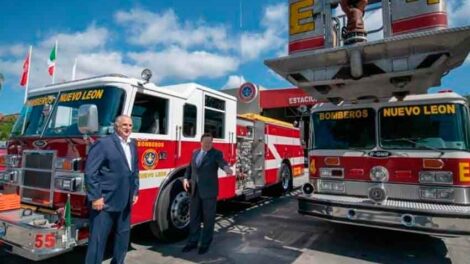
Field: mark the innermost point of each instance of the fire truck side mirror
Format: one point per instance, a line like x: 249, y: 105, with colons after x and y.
x: 88, y: 119
x: 302, y: 133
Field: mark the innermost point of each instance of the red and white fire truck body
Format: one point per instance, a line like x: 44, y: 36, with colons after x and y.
x: 48, y: 150
x: 402, y: 165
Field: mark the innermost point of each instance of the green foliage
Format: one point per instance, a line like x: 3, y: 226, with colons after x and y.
x: 5, y: 128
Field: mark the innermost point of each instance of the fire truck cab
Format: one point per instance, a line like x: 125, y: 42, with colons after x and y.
x: 47, y: 151
x: 401, y: 165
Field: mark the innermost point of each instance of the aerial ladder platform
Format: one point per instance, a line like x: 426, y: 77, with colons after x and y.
x: 416, y: 51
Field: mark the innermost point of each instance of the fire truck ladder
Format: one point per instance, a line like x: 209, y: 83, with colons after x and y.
x: 396, y: 65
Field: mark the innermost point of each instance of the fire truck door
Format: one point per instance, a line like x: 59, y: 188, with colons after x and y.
x: 259, y: 154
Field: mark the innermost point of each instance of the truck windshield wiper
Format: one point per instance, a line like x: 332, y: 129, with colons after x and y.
x: 415, y: 141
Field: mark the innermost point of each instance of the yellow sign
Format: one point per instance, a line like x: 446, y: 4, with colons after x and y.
x: 464, y: 171
x: 348, y: 114
x: 312, y: 167
x: 442, y: 109
x: 300, y: 11
x: 93, y: 94
x: 150, y: 144
x: 430, y: 2
x: 152, y: 174
x: 41, y: 100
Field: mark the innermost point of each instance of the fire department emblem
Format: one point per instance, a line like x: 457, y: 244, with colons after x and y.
x: 149, y: 159
x: 247, y: 92
x: 40, y: 143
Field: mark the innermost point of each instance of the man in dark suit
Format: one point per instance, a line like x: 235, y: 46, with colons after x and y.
x: 202, y: 180
x: 112, y: 185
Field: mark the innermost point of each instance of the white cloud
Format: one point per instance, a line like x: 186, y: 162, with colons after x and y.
x: 459, y: 13
x: 276, y: 16
x: 234, y: 81
x: 181, y: 64
x: 147, y: 28
x: 14, y: 50
x: 274, y: 22
x: 93, y: 64
x: 91, y: 39
x: 88, y: 46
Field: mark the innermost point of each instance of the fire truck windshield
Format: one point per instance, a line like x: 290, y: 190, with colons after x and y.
x: 430, y: 126
x: 34, y: 115
x: 61, y: 116
x: 345, y: 129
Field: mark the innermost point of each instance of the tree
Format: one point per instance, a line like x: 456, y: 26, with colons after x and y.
x: 6, y: 124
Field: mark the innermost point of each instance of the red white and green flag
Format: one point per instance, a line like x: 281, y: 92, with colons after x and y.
x: 52, y: 59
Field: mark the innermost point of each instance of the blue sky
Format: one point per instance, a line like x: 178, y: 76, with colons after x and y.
x: 180, y: 41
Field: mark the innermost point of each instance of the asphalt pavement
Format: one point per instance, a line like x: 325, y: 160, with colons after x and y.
x: 270, y: 231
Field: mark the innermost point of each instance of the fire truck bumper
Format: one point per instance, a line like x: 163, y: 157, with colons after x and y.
x: 419, y: 217
x: 23, y: 233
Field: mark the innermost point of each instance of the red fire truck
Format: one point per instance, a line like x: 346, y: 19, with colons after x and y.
x: 48, y: 150
x: 382, y: 152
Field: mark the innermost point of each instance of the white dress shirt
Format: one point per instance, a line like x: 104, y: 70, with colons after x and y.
x: 127, y: 150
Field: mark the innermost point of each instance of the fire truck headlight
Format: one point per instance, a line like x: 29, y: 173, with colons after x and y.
x: 11, y: 177
x: 12, y: 161
x: 3, y: 176
x: 443, y: 177
x: 443, y: 194
x: 332, y: 186
x: 69, y: 183
x: 428, y: 193
x: 379, y: 174
x: 426, y: 177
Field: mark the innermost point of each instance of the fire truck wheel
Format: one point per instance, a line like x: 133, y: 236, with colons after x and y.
x: 172, y: 213
x: 285, y: 180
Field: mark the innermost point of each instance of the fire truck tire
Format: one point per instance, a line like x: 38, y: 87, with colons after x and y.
x: 172, y: 213
x: 285, y: 180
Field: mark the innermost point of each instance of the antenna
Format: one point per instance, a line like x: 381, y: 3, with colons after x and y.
x: 241, y: 15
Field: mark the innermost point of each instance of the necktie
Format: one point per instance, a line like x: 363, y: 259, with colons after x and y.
x: 200, y: 157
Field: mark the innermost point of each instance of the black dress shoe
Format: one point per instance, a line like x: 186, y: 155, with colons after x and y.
x: 203, y: 250
x: 189, y: 247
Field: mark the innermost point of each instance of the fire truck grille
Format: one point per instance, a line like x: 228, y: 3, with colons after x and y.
x: 38, y: 173
x: 38, y: 160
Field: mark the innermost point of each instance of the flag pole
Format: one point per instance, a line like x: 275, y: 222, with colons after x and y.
x: 27, y: 75
x: 74, y: 69
x: 55, y: 62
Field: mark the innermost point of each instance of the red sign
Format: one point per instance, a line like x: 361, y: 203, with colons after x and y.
x: 278, y: 98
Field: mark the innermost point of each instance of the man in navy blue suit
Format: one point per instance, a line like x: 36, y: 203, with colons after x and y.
x: 202, y: 182
x: 112, y: 185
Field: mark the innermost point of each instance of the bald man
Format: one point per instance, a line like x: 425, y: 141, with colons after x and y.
x: 112, y: 185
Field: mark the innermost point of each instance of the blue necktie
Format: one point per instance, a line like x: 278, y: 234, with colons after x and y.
x: 200, y: 157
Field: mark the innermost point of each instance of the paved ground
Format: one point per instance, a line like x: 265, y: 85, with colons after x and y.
x: 269, y: 231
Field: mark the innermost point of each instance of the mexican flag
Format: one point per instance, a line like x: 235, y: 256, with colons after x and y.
x: 51, y: 61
